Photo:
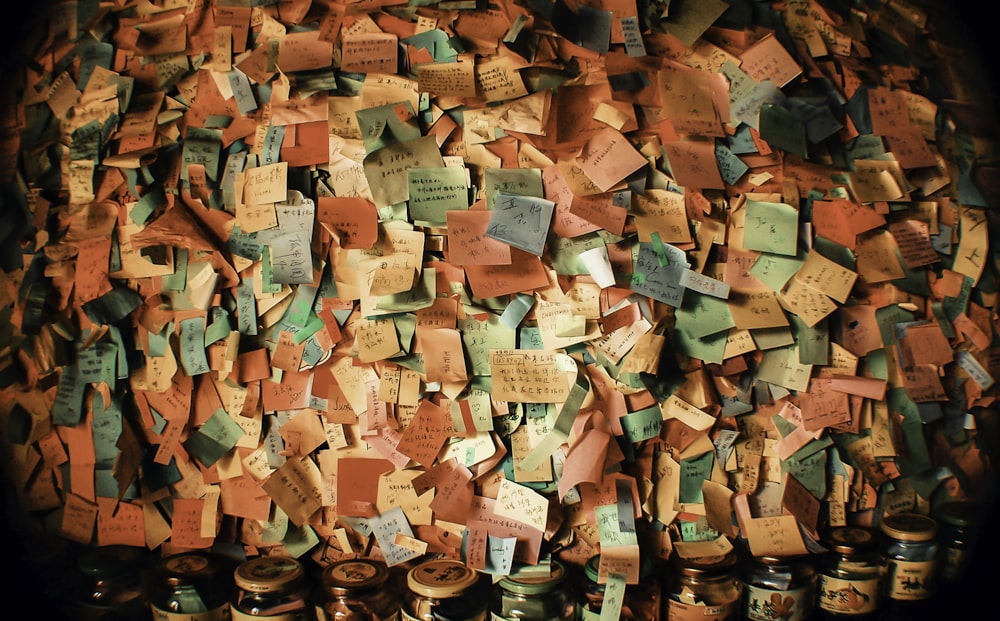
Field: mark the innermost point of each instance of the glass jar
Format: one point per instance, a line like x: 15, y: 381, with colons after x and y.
x: 849, y: 577
x: 706, y: 588
x: 779, y: 588
x: 189, y: 586
x: 357, y: 589
x: 960, y: 522
x: 108, y: 586
x: 642, y: 601
x: 534, y: 593
x: 908, y: 557
x: 270, y: 587
x: 445, y: 590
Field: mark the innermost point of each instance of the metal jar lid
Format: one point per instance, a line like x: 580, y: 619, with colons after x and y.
x: 711, y: 565
x: 185, y: 568
x: 352, y: 575
x: 851, y: 540
x: 909, y: 527
x: 534, y: 580
x: 441, y: 578
x: 266, y: 574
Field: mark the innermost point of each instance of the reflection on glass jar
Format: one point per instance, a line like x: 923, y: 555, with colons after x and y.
x: 779, y: 588
x: 108, y: 586
x: 641, y: 601
x: 270, y: 587
x: 189, y: 585
x: 534, y: 593
x: 706, y: 588
x: 357, y: 590
x: 850, y: 579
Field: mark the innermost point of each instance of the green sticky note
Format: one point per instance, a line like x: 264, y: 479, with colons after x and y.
x: 775, y: 270
x: 781, y: 366
x: 214, y: 439
x: 771, y: 227
x: 520, y: 181
x: 433, y: 192
x: 642, y: 424
x: 703, y: 315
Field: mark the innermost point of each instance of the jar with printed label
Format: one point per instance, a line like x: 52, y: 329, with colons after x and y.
x: 960, y: 523
x: 849, y: 574
x: 270, y: 587
x: 358, y: 589
x: 108, y: 586
x: 445, y: 590
x: 777, y: 587
x: 707, y: 588
x: 534, y: 593
x: 641, y: 601
x: 909, y: 560
x: 189, y: 585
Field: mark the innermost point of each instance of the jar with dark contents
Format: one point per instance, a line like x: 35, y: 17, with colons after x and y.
x: 270, y: 587
x: 641, y: 601
x: 108, y: 587
x: 960, y: 524
x: 189, y: 585
x: 909, y: 559
x: 445, y: 590
x: 777, y: 587
x: 534, y: 593
x: 849, y: 574
x: 707, y: 588
x: 357, y: 589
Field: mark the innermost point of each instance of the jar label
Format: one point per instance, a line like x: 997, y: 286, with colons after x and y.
x: 953, y: 563
x: 679, y: 611
x: 769, y: 604
x: 222, y: 613
x: 909, y: 580
x: 297, y: 615
x: 848, y: 597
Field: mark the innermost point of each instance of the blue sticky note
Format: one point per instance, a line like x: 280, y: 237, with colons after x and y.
x: 521, y: 221
x: 386, y: 526
x: 193, y: 358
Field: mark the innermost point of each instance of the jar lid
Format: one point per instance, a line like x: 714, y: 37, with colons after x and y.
x: 851, y: 539
x: 108, y: 561
x: 356, y: 574
x: 706, y: 565
x: 533, y: 580
x: 188, y: 567
x: 267, y: 573
x: 909, y: 527
x: 441, y: 578
x: 962, y: 513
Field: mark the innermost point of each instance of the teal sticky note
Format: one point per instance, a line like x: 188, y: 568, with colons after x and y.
x: 783, y: 129
x: 214, y: 439
x: 810, y: 471
x: 387, y: 124
x: 202, y: 146
x: 730, y: 166
x: 694, y: 472
x: 435, y: 191
x: 642, y: 424
x: 710, y: 348
x: 771, y: 227
x: 521, y: 221
x: 480, y: 336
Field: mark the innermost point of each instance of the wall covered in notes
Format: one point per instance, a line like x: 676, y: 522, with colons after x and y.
x: 497, y: 281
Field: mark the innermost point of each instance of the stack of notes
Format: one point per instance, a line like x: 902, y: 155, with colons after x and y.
x: 494, y: 280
